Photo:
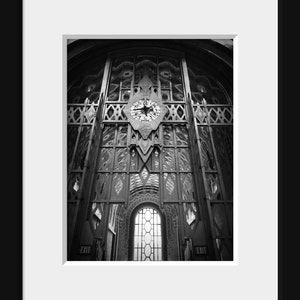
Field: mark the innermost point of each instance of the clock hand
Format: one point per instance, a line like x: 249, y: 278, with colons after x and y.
x: 148, y: 109
x: 145, y: 109
x: 142, y: 108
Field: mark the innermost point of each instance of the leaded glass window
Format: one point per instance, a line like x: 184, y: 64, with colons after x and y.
x: 147, y: 241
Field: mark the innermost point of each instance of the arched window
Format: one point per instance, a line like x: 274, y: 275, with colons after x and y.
x: 147, y: 238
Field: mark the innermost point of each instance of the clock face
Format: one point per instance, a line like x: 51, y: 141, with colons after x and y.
x: 145, y: 110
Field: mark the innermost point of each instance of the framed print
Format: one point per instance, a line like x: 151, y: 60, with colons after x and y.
x: 149, y: 151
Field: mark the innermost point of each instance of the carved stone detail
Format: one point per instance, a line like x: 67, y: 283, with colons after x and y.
x: 144, y: 145
x: 172, y: 229
x: 143, y: 156
x: 145, y: 84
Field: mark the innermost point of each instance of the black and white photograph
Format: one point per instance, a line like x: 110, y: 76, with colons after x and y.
x: 149, y: 149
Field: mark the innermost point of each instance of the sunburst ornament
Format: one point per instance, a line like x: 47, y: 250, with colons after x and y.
x: 145, y: 110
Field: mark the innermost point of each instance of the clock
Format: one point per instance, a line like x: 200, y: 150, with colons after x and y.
x: 145, y: 110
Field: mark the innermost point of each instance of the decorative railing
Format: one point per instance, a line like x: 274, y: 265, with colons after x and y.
x: 213, y: 114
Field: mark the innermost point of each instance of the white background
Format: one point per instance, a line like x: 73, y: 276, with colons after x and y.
x: 254, y: 276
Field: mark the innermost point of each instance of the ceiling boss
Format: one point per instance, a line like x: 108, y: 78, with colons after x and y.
x: 145, y: 109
